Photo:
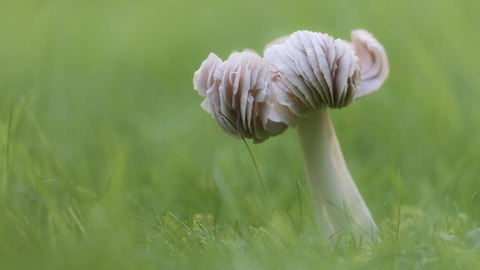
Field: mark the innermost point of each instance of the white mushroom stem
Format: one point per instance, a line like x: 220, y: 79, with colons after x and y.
x: 339, y: 207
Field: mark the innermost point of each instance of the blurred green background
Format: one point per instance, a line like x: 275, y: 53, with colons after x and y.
x: 102, y: 134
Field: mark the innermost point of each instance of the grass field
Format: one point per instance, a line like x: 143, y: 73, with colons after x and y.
x: 108, y: 161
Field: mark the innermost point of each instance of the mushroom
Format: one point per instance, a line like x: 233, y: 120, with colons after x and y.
x: 300, y: 76
x: 238, y: 95
x: 311, y: 72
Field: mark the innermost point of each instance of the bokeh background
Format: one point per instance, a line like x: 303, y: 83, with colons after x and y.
x: 100, y: 124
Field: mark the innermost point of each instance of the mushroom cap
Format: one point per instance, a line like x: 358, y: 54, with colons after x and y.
x: 238, y: 95
x: 311, y: 71
x: 373, y: 61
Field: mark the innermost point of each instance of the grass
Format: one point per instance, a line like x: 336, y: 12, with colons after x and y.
x: 109, y: 162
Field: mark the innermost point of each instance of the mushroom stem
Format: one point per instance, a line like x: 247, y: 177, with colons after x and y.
x: 339, y: 208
